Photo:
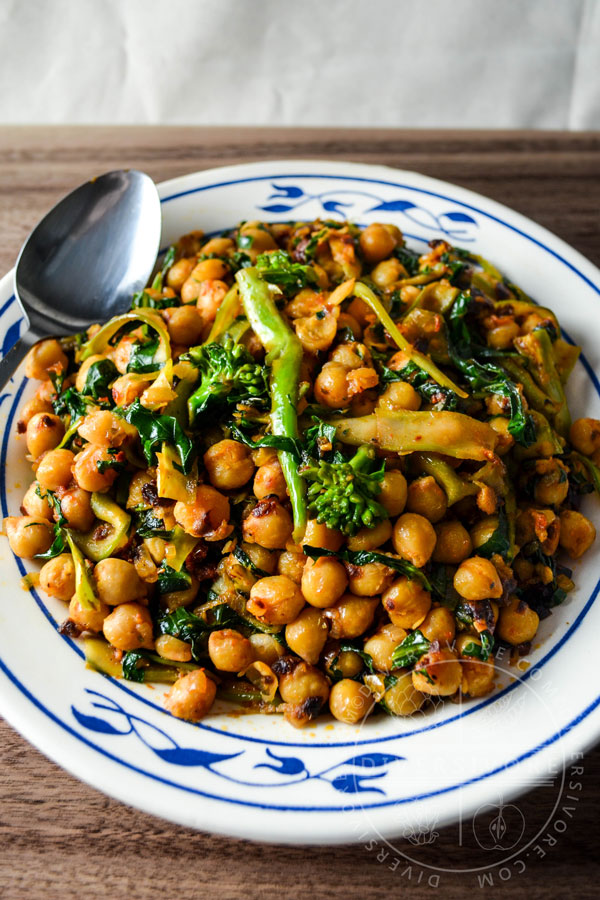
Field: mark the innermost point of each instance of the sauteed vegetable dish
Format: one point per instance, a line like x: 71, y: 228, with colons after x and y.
x: 309, y: 470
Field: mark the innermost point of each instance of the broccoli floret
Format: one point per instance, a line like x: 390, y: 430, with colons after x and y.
x: 342, y: 493
x: 229, y: 375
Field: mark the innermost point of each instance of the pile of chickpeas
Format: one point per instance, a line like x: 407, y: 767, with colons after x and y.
x: 320, y: 614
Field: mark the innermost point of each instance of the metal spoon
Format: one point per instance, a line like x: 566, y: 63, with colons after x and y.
x: 86, y: 258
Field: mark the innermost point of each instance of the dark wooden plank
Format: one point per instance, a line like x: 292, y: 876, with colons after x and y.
x: 60, y: 838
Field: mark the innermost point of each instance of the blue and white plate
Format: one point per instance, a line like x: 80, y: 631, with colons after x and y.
x: 255, y: 776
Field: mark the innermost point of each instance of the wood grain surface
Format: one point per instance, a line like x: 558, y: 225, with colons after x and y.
x: 62, y: 839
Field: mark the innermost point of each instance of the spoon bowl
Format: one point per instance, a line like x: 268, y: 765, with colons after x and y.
x: 86, y: 258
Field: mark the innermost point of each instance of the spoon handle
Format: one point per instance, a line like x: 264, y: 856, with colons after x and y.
x: 10, y: 362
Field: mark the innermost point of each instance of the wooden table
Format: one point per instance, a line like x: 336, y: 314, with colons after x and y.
x: 60, y: 838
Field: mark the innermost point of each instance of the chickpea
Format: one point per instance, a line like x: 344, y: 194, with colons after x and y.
x: 77, y: 510
x: 229, y: 650
x: 371, y: 538
x: 82, y: 372
x: 438, y: 673
x: 180, y: 272
x: 502, y: 336
x: 427, y: 498
x: 348, y: 663
x: 363, y: 404
x: 54, y: 470
x: 316, y: 333
x: 505, y: 439
x: 44, y: 356
x: 209, y: 296
x: 477, y: 579
x: 585, y: 435
x: 121, y: 353
x: 88, y: 618
x: 368, y: 580
x: 103, y: 428
x: 414, y: 538
x: 184, y: 324
x: 402, y: 698
x: 482, y: 531
x: 269, y: 524
x: 118, y: 582
x: 191, y: 697
x: 478, y: 676
x: 229, y: 464
x: 266, y: 648
x: 27, y: 535
x: 517, y: 623
x: 399, y: 395
x: 351, y: 616
x: 577, y: 533
x: 261, y: 557
x: 172, y: 648
x: 210, y: 270
x: 360, y: 311
x: 44, y: 432
x: 270, y: 482
x: 206, y: 516
x: 439, y: 625
x: 331, y: 387
x: 303, y: 688
x: 220, y: 246
x: 291, y: 565
x: 345, y: 320
x: 382, y: 644
x: 57, y: 577
x: 307, y: 634
x: 275, y: 600
x: 376, y: 243
x: 31, y: 408
x: 407, y: 602
x: 323, y: 582
x: 386, y: 273
x: 352, y: 355
x: 127, y: 388
x: 319, y: 535
x: 393, y: 493
x: 86, y: 472
x: 350, y: 701
x: 453, y: 543
x: 35, y: 505
x: 129, y: 627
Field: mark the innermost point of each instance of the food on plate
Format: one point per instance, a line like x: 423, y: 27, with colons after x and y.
x: 310, y: 470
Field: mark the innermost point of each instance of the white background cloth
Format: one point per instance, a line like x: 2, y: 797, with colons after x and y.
x: 411, y: 63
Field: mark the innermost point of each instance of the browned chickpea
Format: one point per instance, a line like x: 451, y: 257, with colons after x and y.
x: 386, y: 273
x: 44, y: 432
x: 393, y: 493
x: 180, y: 272
x: 103, y: 428
x: 439, y: 625
x: 291, y: 565
x: 31, y: 408
x: 352, y: 355
x: 209, y: 296
x: 482, y: 531
x: 303, y: 688
x: 502, y: 336
x: 402, y: 698
x: 477, y: 579
x: 331, y: 387
x: 382, y: 644
x: 270, y: 482
x: 323, y: 582
x: 307, y: 634
x: 453, y: 543
x: 27, y: 535
x: 350, y: 701
x: 369, y: 580
x: 427, y: 498
x: 414, y: 538
x: 505, y: 438
x: 316, y: 333
x: 585, y: 435
x: 268, y: 524
x: 207, y: 515
x: 376, y: 243
x: 371, y: 538
x: 57, y: 577
x: 266, y: 648
x: 318, y: 535
x: 76, y: 507
x: 229, y: 650
x: 183, y: 324
x: 438, y: 673
x: 86, y: 472
x: 126, y: 388
x: 88, y: 618
x: 118, y: 582
x: 44, y: 356
x: 191, y: 697
x: 35, y: 502
x: 348, y: 663
x: 121, y: 353
x: 54, y: 470
x: 129, y: 627
x: 399, y: 395
x: 210, y: 269
x: 577, y: 533
x: 229, y: 465
x: 172, y: 648
x: 406, y: 602
x: 261, y: 557
x: 517, y: 623
x: 478, y: 676
x: 275, y: 600
x: 351, y: 616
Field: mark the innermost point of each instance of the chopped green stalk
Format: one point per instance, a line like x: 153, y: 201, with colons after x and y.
x: 100, y: 655
x: 342, y: 495
x: 547, y: 442
x: 84, y: 588
x: 284, y: 356
x: 536, y: 398
x: 157, y: 284
x: 454, y: 486
x: 365, y: 293
x: 591, y: 468
x: 537, y: 348
x: 108, y: 511
x: 226, y: 315
x: 99, y: 343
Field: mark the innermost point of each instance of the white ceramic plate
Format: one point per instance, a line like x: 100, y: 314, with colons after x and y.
x: 256, y: 776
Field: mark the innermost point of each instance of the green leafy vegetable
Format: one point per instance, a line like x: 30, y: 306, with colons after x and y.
x: 229, y: 375
x: 149, y: 525
x: 275, y: 441
x: 425, y: 386
x: 480, y: 651
x: 141, y: 358
x: 99, y: 376
x: 154, y: 429
x: 243, y: 558
x: 277, y: 268
x: 319, y: 439
x: 409, y: 259
x: 499, y: 541
x: 410, y: 650
x: 363, y: 557
x: 145, y: 666
x: 170, y: 580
